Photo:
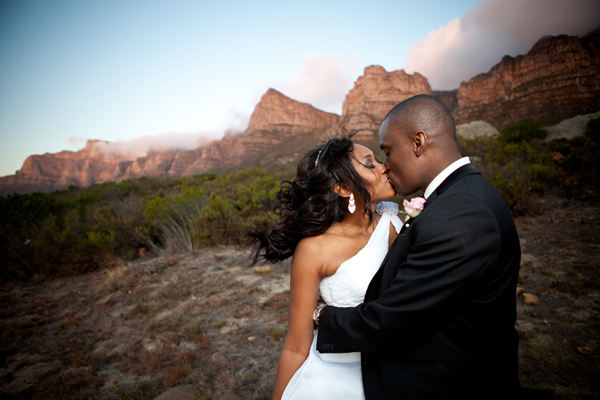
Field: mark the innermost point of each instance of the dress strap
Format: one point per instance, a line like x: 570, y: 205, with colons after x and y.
x: 389, y: 213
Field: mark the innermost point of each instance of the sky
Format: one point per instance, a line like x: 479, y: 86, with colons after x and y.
x: 154, y: 74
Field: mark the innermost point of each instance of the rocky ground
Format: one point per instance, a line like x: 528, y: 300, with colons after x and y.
x: 203, y: 326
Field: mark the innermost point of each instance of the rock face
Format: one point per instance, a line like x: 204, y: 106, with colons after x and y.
x: 559, y: 77
x: 94, y: 164
x: 278, y: 118
x: 280, y: 130
x: 447, y: 97
x: 375, y: 93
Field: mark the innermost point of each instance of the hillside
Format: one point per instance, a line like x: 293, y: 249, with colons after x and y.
x: 203, y: 324
x: 558, y: 78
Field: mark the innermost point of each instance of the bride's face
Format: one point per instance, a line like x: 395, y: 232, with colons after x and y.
x: 373, y: 173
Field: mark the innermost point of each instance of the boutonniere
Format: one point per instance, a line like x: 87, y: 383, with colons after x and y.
x: 413, y: 207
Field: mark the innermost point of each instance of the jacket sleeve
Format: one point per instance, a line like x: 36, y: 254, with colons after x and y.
x: 453, y: 242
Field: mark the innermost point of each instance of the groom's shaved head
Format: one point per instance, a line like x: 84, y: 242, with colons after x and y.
x: 424, y: 112
x: 418, y: 137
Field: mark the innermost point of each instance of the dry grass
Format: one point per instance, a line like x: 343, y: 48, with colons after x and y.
x: 138, y: 329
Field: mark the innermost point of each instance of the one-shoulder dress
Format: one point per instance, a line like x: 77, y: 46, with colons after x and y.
x: 337, y: 376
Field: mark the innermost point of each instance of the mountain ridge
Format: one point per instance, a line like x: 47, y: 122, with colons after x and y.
x: 558, y: 77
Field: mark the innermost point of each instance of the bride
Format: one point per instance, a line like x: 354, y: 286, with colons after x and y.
x: 338, y: 242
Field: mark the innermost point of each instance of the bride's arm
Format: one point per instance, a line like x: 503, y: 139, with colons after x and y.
x: 304, y: 286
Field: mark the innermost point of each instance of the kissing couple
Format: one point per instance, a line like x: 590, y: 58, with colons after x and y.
x: 422, y: 308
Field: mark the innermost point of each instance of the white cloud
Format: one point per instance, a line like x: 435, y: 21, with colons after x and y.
x: 323, y: 82
x: 478, y: 40
x: 140, y: 146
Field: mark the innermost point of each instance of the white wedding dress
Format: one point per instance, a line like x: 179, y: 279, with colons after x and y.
x: 333, y: 376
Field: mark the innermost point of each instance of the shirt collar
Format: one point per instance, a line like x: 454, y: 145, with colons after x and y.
x: 437, y: 181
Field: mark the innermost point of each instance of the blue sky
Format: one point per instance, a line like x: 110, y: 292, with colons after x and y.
x: 174, y: 71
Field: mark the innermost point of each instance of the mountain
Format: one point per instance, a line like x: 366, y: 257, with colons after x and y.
x: 93, y: 164
x: 558, y: 77
x: 375, y: 93
x: 279, y: 132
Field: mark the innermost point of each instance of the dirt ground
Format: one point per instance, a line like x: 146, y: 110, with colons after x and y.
x: 210, y: 327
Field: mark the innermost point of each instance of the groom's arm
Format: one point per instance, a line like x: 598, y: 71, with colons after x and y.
x: 452, y: 246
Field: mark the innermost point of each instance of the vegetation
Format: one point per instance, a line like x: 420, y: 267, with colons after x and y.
x: 523, y: 166
x: 81, y: 229
x: 78, y: 230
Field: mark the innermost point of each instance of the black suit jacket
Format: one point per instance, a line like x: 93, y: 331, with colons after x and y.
x: 438, y: 318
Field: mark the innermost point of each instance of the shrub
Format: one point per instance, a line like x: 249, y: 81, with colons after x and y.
x: 523, y: 167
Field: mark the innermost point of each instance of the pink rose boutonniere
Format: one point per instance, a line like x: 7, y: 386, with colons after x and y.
x: 413, y: 207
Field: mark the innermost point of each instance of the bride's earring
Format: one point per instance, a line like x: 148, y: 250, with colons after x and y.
x: 351, y: 205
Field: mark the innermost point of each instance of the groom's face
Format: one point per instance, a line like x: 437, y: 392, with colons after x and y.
x: 400, y: 159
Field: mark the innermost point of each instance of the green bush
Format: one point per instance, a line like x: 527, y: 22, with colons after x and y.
x: 79, y: 230
x: 523, y: 166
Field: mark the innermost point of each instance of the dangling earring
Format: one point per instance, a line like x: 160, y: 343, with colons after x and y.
x: 351, y: 205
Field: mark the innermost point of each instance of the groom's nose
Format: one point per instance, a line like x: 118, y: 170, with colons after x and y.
x: 386, y: 164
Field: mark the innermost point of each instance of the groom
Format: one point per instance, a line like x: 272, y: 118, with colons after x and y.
x: 438, y: 317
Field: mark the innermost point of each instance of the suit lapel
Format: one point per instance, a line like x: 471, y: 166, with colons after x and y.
x: 375, y: 285
x: 465, y: 170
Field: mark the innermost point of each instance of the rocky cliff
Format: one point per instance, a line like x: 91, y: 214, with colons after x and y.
x: 94, y: 164
x: 279, y: 131
x: 447, y: 97
x: 276, y: 119
x: 558, y: 77
x: 377, y: 92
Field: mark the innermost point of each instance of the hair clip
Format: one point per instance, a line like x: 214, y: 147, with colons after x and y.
x: 318, y: 155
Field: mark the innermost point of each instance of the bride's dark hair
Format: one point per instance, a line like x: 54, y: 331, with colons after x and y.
x: 308, y: 205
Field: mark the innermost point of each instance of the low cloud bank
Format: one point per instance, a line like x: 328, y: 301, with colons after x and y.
x: 475, y: 42
x: 143, y: 145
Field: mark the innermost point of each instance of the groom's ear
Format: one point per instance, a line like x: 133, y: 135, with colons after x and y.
x: 419, y: 143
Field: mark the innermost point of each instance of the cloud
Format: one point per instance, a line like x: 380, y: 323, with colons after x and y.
x: 475, y: 42
x: 143, y: 145
x: 237, y: 120
x: 323, y: 82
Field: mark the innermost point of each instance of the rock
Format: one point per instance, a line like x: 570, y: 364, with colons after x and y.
x: 587, y: 350
x: 530, y: 298
x: 375, y: 94
x: 475, y: 130
x: 520, y: 291
x: 559, y: 76
x: 262, y: 269
x: 182, y: 392
x: 570, y: 128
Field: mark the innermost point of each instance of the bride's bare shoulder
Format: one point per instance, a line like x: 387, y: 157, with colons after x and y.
x: 311, y: 246
x: 313, y: 252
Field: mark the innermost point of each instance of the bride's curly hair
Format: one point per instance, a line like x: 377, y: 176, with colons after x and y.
x: 308, y: 205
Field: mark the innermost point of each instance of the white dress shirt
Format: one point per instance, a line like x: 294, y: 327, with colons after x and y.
x: 437, y: 181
